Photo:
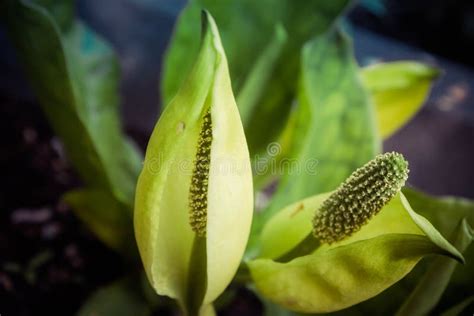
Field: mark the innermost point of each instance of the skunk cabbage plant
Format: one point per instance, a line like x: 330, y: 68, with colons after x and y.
x: 326, y: 239
x: 194, y: 199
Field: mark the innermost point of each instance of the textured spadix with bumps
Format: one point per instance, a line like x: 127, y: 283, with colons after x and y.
x: 194, y: 198
x: 360, y: 197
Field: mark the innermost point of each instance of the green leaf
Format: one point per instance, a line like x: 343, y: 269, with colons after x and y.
x: 337, y: 279
x: 334, y: 132
x: 121, y: 298
x: 106, y: 217
x: 248, y: 29
x: 399, y: 89
x: 345, y: 273
x: 430, y: 288
x: 74, y: 76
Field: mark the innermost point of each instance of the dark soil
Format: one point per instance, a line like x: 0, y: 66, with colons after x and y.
x: 49, y: 262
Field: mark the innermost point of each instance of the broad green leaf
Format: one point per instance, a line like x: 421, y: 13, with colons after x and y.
x: 345, y: 273
x: 399, y: 89
x: 74, y: 76
x: 121, y: 298
x: 342, y: 277
x: 248, y: 29
x: 106, y: 217
x: 334, y: 131
x: 194, y: 201
x: 430, y: 288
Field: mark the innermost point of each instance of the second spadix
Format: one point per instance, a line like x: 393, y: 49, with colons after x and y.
x: 194, y: 198
x: 354, y: 203
x: 360, y: 197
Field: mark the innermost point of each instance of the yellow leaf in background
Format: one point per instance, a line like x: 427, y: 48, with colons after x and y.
x: 398, y: 89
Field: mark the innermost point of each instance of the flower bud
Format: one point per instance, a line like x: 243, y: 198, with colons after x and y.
x: 194, y: 197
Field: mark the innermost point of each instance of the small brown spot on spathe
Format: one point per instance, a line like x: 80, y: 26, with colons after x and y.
x: 291, y: 302
x: 298, y: 209
x: 180, y: 128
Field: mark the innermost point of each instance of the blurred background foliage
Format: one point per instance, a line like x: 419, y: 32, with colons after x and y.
x: 299, y: 82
